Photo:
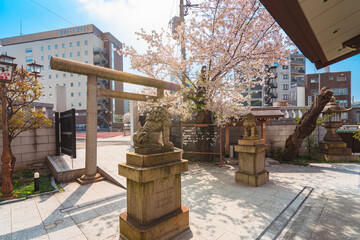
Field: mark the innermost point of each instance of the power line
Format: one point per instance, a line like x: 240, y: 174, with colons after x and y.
x: 51, y: 12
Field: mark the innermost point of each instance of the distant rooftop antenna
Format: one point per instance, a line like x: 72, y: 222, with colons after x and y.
x: 20, y: 28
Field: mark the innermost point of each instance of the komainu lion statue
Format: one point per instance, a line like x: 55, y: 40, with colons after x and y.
x: 251, y: 132
x: 154, y: 136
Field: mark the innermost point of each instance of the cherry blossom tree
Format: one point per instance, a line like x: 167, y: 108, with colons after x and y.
x: 21, y: 92
x: 228, y: 45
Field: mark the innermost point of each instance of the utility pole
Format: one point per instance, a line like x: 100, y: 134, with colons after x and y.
x: 182, y: 20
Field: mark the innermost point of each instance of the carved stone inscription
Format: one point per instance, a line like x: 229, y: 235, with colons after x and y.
x: 166, y: 196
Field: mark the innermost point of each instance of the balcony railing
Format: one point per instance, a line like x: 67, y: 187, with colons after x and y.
x: 294, y: 70
x: 293, y: 111
x: 297, y: 62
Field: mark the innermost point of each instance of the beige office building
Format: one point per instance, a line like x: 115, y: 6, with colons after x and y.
x: 85, y: 44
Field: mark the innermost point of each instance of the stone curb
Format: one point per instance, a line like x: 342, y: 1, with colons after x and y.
x: 33, y: 195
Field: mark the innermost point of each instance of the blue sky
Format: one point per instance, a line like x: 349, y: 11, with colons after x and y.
x: 120, y: 17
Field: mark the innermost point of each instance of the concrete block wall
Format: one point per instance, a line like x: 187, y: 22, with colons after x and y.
x: 32, y: 147
x: 276, y: 134
x: 279, y: 130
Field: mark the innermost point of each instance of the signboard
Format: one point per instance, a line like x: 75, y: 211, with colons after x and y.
x: 118, y: 118
x: 5, y: 72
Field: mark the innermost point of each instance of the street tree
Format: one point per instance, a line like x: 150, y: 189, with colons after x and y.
x: 219, y: 52
x: 21, y: 93
x: 228, y: 44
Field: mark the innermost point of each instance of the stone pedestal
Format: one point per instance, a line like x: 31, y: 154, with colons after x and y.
x: 336, y: 152
x: 251, y: 163
x: 154, y: 209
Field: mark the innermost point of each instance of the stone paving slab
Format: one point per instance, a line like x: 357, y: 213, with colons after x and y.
x: 219, y: 208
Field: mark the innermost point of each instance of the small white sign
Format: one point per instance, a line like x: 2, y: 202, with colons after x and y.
x: 5, y: 72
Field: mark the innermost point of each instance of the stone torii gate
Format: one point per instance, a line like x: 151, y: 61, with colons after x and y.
x: 93, y: 92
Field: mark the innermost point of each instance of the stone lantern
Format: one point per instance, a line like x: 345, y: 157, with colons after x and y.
x: 332, y: 148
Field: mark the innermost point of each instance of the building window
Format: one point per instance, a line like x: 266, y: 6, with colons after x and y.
x: 49, y: 47
x: 56, y: 46
x: 71, y: 84
x: 86, y: 61
x: 285, y: 96
x: 314, y: 80
x: 72, y: 104
x: 78, y: 53
x: 86, y: 42
x: 50, y: 95
x: 341, y: 78
x: 49, y: 57
x: 56, y: 55
x: 63, y: 55
x: 340, y: 91
x: 28, y: 50
x: 72, y: 94
x: 78, y: 44
x: 71, y: 74
x: 49, y: 67
x: 79, y: 84
x: 70, y: 44
x: 79, y: 94
x: 42, y: 58
x: 29, y: 59
x: 71, y: 54
x: 64, y: 74
x: 28, y: 68
x: 342, y: 102
x: 79, y: 75
x: 42, y: 68
x: 86, y: 53
x: 285, y: 67
x: 63, y: 45
x: 285, y: 76
x: 314, y: 91
x: 50, y: 86
x: 344, y: 115
x: 56, y: 76
x: 79, y: 104
x: 50, y: 76
x: 42, y: 48
x: 331, y: 77
x: 285, y: 86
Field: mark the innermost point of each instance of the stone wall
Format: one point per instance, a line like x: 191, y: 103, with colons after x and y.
x: 32, y: 147
x: 279, y: 130
x: 276, y: 134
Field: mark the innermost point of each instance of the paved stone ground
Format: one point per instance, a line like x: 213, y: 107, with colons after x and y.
x: 219, y: 208
x: 321, y: 201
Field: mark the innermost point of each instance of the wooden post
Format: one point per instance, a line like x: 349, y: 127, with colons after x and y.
x: 263, y: 131
x: 227, y: 140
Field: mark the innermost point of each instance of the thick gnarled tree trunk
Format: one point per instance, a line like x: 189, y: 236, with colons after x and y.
x: 306, y: 125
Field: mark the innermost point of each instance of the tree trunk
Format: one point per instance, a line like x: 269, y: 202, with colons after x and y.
x: 204, y: 137
x: 13, y: 158
x: 306, y: 125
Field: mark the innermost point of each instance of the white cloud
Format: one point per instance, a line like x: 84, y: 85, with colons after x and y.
x: 123, y: 18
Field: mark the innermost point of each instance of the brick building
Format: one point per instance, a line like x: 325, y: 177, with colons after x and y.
x: 338, y: 82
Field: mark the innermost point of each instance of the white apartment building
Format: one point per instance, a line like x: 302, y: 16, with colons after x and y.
x: 287, y: 83
x: 85, y: 44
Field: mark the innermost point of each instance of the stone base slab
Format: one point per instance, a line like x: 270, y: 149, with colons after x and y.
x: 341, y: 158
x: 255, y: 180
x: 147, y: 174
x: 251, y: 142
x: 163, y: 228
x: 83, y: 180
x: 141, y: 160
